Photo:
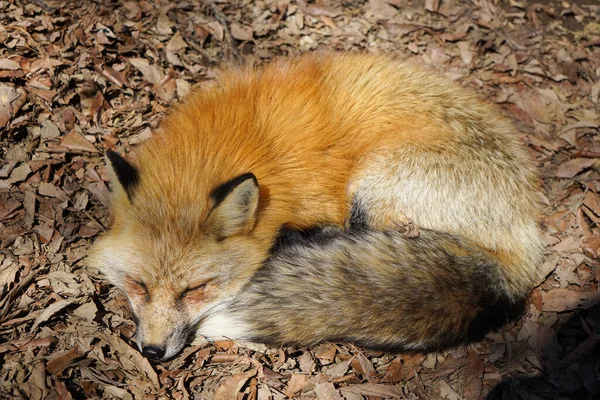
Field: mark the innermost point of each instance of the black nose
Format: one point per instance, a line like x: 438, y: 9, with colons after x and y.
x: 153, y: 352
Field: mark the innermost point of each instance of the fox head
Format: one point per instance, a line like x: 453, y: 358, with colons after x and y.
x: 177, y: 259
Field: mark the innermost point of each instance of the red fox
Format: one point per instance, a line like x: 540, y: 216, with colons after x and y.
x: 269, y: 208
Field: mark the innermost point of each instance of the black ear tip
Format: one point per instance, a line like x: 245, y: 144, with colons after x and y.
x: 247, y: 176
x: 127, y: 174
x: 220, y: 192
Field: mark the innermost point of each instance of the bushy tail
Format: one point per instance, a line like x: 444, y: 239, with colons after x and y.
x: 381, y: 290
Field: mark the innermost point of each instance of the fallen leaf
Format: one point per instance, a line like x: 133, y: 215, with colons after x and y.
x: 11, y: 101
x: 5, y: 63
x: 560, y: 299
x: 473, y: 376
x: 432, y: 5
x: 340, y: 368
x: 573, y: 167
x: 296, y: 383
x: 58, y: 363
x: 317, y: 10
x: 375, y: 389
x: 231, y: 387
x: 241, y: 32
x: 398, y: 372
x: 446, y: 392
x: 176, y: 43
x: 50, y: 190
x: 150, y: 72
x: 326, y: 391
x: 75, y: 142
x: 50, y: 311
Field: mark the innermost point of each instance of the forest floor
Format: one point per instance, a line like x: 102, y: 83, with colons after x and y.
x: 80, y: 77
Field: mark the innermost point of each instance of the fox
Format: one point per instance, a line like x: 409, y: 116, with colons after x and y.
x: 341, y: 197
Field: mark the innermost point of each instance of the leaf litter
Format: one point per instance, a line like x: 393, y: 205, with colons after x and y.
x: 78, y: 78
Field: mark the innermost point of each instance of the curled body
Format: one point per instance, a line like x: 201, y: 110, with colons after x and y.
x: 350, y: 147
x: 379, y: 289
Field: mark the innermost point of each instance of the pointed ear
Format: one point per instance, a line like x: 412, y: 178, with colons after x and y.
x: 124, y: 174
x: 235, y: 205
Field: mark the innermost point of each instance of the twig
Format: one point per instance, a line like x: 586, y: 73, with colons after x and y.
x: 218, y: 14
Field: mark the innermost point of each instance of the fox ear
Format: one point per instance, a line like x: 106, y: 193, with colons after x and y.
x: 124, y: 175
x: 235, y: 205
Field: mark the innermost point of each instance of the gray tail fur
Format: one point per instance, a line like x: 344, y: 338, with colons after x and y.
x: 380, y: 290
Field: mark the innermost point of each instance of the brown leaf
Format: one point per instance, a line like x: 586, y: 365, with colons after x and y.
x: 363, y: 365
x: 560, y: 299
x: 100, y: 192
x: 50, y: 311
x: 11, y: 101
x: 48, y: 189
x: 8, y: 207
x: 132, y: 354
x: 150, y: 72
x: 432, y: 5
x: 340, y: 368
x: 473, y: 376
x: 75, y: 142
x: 317, y: 10
x: 241, y: 32
x: 583, y: 350
x: 325, y: 352
x: 375, y: 389
x: 591, y: 246
x: 573, y: 167
x: 62, y: 361
x: 592, y: 201
x: 216, y: 30
x: 446, y: 392
x: 176, y: 43
x: 296, y: 383
x: 398, y: 372
x: 8, y: 64
x: 62, y: 391
x: 232, y: 386
x: 326, y: 391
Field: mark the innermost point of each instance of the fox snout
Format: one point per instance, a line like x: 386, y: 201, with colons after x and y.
x: 160, y: 337
x: 163, y: 326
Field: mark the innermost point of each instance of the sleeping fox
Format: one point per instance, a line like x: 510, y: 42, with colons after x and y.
x: 271, y: 208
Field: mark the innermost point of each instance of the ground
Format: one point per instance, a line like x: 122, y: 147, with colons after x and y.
x: 77, y: 78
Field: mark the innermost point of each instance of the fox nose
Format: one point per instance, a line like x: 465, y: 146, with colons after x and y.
x: 153, y: 352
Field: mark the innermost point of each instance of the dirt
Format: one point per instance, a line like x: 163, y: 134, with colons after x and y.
x: 77, y: 78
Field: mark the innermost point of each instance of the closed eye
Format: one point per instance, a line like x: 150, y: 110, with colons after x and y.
x: 196, y: 292
x: 137, y: 288
x: 144, y: 289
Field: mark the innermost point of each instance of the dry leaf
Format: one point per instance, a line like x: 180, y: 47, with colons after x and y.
x: 232, y: 386
x: 573, y: 167
x: 50, y: 311
x: 296, y: 383
x: 9, y: 64
x: 241, y: 32
x: 62, y: 361
x: 473, y: 376
x: 11, y: 101
x: 326, y: 391
x: 559, y: 299
x: 75, y: 142
x: 150, y: 72
x: 375, y: 389
x: 432, y: 5
x: 176, y: 43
